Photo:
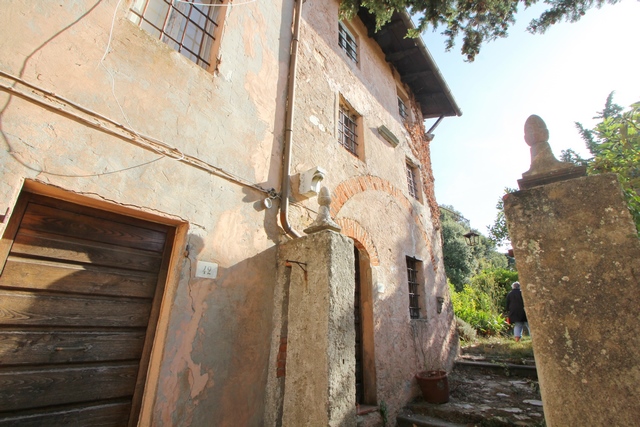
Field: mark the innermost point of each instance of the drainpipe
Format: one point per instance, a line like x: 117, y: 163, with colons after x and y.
x: 288, y: 126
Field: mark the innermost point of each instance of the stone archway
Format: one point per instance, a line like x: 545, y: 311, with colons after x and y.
x: 359, y: 184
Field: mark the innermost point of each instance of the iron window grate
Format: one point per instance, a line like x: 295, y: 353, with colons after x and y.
x: 412, y: 182
x: 347, y: 130
x: 348, y: 43
x: 402, y: 109
x: 412, y: 275
x: 188, y: 27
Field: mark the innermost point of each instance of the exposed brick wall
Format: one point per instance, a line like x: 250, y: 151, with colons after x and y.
x: 361, y: 238
x: 420, y: 148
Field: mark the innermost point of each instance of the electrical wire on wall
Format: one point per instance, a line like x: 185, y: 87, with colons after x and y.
x: 65, y: 107
x: 95, y: 120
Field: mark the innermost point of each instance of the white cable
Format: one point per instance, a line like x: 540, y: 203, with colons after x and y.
x: 113, y: 88
x: 113, y: 22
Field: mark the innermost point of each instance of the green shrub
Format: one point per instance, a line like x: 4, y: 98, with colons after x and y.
x: 476, y: 307
x: 496, y: 283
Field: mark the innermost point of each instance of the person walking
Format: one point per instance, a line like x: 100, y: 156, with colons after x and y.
x: 515, y: 308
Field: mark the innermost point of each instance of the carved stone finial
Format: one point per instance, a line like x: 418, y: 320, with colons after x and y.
x: 324, y: 220
x: 545, y: 168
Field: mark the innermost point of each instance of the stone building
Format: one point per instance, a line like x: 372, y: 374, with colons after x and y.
x: 143, y: 204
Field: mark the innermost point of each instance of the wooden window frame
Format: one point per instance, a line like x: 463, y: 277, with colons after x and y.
x: 348, y: 42
x: 413, y: 180
x: 188, y: 26
x: 349, y: 126
x: 414, y: 277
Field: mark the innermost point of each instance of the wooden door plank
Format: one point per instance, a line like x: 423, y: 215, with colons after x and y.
x: 26, y: 273
x: 46, y: 347
x: 25, y: 388
x: 97, y: 212
x: 24, y: 308
x: 81, y: 251
x: 110, y: 414
x: 55, y: 221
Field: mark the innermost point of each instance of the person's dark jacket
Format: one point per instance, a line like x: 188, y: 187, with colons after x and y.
x: 515, y: 306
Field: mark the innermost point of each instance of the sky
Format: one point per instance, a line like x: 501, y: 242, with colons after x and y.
x: 563, y: 76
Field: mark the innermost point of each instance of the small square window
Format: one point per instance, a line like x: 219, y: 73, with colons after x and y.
x: 190, y: 27
x: 413, y: 273
x: 412, y: 181
x: 347, y: 42
x: 348, y: 129
x: 402, y: 109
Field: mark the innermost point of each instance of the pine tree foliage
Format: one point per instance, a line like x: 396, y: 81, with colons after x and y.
x: 477, y: 21
x: 614, y: 144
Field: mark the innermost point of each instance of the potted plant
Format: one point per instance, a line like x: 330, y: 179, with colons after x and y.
x: 434, y: 386
x: 433, y: 380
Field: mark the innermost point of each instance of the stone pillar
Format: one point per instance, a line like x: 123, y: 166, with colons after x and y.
x: 319, y: 377
x: 578, y: 259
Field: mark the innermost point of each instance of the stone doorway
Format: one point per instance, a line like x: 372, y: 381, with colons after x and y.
x: 365, y: 378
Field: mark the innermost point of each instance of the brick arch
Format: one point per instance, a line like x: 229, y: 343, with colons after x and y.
x: 362, y: 240
x: 359, y: 184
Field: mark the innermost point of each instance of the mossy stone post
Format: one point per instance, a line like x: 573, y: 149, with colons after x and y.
x: 578, y: 259
x: 319, y: 384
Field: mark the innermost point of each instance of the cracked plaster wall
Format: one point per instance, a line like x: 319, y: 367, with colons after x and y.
x: 210, y: 360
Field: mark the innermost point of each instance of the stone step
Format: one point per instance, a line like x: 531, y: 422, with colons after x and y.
x: 482, y: 393
x: 506, y: 369
x: 418, y: 420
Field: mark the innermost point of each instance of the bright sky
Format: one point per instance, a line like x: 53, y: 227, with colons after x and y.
x: 563, y: 76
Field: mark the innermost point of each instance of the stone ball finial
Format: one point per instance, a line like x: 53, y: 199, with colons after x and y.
x: 545, y: 168
x: 324, y: 198
x: 324, y: 220
x: 535, y: 131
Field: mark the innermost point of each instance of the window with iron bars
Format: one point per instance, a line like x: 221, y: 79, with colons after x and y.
x: 347, y: 130
x: 414, y: 297
x: 347, y: 42
x: 187, y: 26
x: 412, y: 181
x: 402, y: 109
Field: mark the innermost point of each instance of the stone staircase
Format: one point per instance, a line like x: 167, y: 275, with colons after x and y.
x: 482, y: 393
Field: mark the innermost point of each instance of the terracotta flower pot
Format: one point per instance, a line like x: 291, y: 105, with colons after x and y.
x: 434, y: 386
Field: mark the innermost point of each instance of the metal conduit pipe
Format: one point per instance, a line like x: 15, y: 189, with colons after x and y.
x: 288, y: 126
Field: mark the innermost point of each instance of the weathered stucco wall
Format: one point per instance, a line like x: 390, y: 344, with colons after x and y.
x: 210, y: 359
x: 370, y: 197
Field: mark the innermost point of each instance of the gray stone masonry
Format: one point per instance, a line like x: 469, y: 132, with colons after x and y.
x: 578, y: 259
x: 319, y: 387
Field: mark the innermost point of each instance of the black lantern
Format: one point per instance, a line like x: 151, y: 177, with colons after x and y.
x: 472, y: 238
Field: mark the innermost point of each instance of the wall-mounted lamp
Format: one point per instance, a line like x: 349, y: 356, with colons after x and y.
x: 472, y: 238
x: 440, y: 301
x: 310, y: 181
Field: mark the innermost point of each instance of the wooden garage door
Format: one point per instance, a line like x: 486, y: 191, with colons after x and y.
x: 79, y: 296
